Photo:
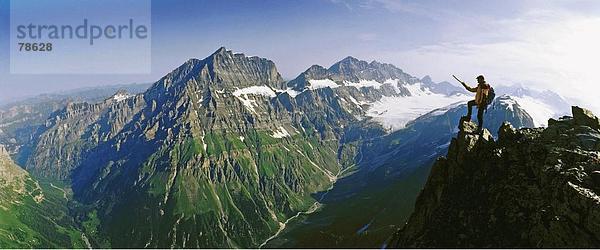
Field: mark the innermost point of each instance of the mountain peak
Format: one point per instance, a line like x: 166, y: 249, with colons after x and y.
x: 350, y: 59
x: 223, y: 70
x: 221, y: 50
x: 348, y: 64
x: 315, y: 69
x: 427, y: 79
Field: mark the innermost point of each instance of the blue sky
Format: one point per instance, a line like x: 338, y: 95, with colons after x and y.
x: 540, y: 44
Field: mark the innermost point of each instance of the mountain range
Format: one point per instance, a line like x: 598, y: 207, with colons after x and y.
x: 223, y: 153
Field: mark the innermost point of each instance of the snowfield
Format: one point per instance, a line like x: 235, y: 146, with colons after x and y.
x: 418, y: 90
x: 255, y: 90
x: 291, y: 92
x: 394, y: 112
x: 364, y: 84
x: 242, y: 95
x: 323, y: 83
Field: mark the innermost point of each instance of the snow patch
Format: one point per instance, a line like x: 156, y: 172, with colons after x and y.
x: 200, y: 100
x: 281, y: 133
x: 247, y: 102
x: 203, y: 143
x: 354, y: 100
x: 121, y: 97
x: 291, y: 92
x: 244, y: 95
x: 364, y: 84
x: 255, y: 90
x: 323, y: 83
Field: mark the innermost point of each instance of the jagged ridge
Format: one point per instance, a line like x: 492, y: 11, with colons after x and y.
x: 531, y: 188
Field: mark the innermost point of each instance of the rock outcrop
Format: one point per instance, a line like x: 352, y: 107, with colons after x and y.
x: 531, y: 188
x: 10, y: 174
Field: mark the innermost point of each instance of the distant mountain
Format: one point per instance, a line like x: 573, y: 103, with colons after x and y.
x: 380, y: 91
x: 429, y: 135
x: 445, y: 88
x: 541, y: 105
x: 374, y: 79
x: 532, y: 188
x: 20, y: 120
x: 89, y: 94
x: 63, y: 141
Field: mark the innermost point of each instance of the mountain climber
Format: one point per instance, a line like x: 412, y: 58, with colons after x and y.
x: 482, y: 94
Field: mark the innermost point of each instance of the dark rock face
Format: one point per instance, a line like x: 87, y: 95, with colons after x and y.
x: 585, y: 117
x: 531, y: 188
x: 237, y: 70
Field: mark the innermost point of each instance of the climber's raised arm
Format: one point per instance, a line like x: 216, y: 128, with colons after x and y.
x: 465, y: 85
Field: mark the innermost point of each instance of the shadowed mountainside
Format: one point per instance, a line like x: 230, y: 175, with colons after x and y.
x: 531, y: 188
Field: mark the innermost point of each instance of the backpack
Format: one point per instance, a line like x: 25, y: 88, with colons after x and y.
x: 490, y: 96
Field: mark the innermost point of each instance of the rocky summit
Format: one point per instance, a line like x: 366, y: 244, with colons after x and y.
x: 530, y: 188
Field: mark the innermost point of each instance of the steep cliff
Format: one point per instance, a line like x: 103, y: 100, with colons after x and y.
x: 531, y: 188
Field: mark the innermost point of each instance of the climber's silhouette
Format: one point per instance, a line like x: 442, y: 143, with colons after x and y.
x: 482, y: 99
